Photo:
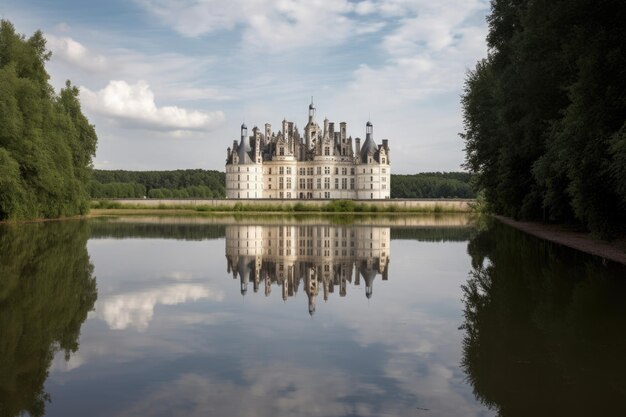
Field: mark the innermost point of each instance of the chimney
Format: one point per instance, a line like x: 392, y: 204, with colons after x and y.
x: 357, y: 143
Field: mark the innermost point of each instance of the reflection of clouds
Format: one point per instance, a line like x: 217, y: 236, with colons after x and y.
x: 137, y: 309
x: 274, y: 390
x: 285, y: 389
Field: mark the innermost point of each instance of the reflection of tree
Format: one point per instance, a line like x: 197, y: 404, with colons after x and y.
x: 545, y: 328
x: 47, y: 288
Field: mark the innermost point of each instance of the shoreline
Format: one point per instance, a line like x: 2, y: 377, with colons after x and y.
x: 580, y: 241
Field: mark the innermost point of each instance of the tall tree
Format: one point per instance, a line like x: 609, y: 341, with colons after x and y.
x: 544, y: 113
x: 46, y: 143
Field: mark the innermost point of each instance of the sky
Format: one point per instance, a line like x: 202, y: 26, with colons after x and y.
x: 167, y: 83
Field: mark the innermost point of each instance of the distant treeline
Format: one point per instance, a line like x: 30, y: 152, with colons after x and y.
x: 432, y: 185
x: 198, y: 183
x: 188, y: 183
x: 545, y: 113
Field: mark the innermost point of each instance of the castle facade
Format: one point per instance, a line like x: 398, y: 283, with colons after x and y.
x: 322, y: 164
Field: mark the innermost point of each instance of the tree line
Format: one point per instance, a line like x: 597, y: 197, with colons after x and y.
x: 432, y: 185
x: 544, y: 113
x: 188, y: 183
x: 46, y: 143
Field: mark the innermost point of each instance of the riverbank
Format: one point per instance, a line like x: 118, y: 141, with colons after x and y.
x: 281, y: 206
x: 613, y: 251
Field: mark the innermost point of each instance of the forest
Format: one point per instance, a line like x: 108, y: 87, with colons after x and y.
x: 46, y: 143
x: 188, y: 183
x: 544, y: 113
x: 432, y: 185
x: 198, y: 183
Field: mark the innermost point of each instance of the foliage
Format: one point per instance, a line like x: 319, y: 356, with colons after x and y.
x: 47, y: 288
x: 46, y: 143
x: 545, y: 328
x: 188, y: 183
x: 544, y: 113
x: 432, y: 185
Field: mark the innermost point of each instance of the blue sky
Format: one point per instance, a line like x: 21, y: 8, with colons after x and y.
x: 168, y: 82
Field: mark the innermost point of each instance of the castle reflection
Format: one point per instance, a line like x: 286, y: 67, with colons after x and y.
x: 322, y: 258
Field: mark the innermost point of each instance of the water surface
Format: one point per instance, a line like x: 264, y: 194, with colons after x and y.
x: 196, y: 317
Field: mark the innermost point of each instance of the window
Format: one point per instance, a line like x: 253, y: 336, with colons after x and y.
x: 302, y: 183
x: 327, y: 183
x: 326, y: 151
x: 344, y: 171
x: 280, y: 183
x: 352, y: 183
x: 344, y: 183
x: 319, y: 170
x: 319, y: 183
x: 301, y: 171
x: 270, y: 187
x: 288, y: 170
x: 336, y: 171
x: 281, y: 151
x: 270, y: 170
x: 289, y: 183
x: 281, y: 170
x: 384, y: 170
x: 352, y: 171
x: 384, y: 179
x: 383, y: 160
x: 309, y: 183
x: 336, y: 183
x: 327, y: 170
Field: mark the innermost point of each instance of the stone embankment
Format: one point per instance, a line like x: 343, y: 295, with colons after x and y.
x: 400, y: 205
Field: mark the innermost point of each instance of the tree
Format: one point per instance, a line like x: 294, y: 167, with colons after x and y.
x: 45, y: 136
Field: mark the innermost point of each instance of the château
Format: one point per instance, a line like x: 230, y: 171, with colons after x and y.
x: 322, y: 164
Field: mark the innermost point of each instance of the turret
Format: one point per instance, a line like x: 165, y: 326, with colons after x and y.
x: 311, y: 111
x: 369, y: 148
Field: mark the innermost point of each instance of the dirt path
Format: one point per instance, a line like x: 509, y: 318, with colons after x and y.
x: 614, y: 251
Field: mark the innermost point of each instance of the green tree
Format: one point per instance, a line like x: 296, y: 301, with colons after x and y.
x: 46, y: 135
x: 47, y: 288
x: 543, y: 113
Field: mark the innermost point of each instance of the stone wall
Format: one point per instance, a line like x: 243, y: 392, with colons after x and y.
x: 460, y: 205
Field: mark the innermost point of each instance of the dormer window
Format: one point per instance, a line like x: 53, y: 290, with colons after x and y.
x: 327, y: 151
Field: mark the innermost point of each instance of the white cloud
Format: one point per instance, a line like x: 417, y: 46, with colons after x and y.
x: 137, y: 309
x: 134, y: 105
x: 75, y: 53
x: 273, y: 25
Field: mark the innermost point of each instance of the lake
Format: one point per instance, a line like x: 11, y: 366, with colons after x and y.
x: 313, y: 316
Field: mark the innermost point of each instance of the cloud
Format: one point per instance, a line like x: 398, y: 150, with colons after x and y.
x: 133, y: 105
x: 74, y: 53
x: 273, y: 25
x: 137, y: 309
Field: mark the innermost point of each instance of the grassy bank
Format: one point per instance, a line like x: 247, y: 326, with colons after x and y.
x: 338, y: 206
